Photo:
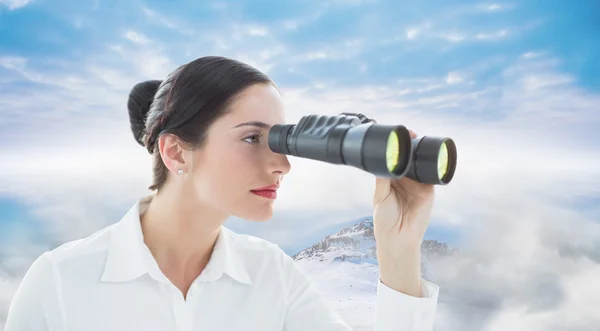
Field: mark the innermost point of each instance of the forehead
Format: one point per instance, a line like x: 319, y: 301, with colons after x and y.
x: 259, y: 102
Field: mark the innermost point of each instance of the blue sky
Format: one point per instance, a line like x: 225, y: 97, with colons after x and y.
x: 515, y: 83
x: 72, y: 31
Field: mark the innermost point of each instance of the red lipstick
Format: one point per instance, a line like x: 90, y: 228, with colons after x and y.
x: 269, y: 192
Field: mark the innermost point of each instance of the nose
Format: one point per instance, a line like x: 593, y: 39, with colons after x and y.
x: 279, y: 163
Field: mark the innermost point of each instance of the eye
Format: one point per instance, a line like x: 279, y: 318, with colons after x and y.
x: 253, y: 139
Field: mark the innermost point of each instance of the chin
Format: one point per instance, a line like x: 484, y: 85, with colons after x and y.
x: 259, y: 216
x: 255, y: 209
x: 258, y: 219
x: 254, y: 213
x: 250, y: 208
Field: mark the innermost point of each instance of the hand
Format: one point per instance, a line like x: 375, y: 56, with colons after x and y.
x: 401, y: 211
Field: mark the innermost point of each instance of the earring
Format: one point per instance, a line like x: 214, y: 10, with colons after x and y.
x: 180, y: 172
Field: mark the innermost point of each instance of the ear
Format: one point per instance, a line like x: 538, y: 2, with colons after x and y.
x: 173, y: 153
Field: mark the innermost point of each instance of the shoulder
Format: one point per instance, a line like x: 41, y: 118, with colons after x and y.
x: 38, y: 298
x: 93, y: 246
x: 84, y: 256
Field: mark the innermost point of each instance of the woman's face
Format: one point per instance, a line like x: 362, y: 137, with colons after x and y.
x: 236, y: 158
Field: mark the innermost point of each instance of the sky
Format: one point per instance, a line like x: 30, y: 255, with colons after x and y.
x: 515, y: 84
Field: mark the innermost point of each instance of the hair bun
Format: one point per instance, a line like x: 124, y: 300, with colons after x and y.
x: 140, y: 100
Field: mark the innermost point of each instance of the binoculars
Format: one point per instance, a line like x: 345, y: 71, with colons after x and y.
x: 353, y: 139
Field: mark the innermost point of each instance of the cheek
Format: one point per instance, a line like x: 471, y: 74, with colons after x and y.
x: 242, y: 163
x: 229, y: 175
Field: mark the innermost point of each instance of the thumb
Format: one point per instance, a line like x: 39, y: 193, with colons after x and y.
x: 382, y: 189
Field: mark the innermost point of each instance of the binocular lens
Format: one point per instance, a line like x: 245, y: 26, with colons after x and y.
x: 443, y: 160
x: 392, y: 151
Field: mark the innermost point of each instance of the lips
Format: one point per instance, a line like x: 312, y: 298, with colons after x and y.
x: 273, y: 187
x: 269, y: 192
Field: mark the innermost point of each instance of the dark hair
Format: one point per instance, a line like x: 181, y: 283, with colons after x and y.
x: 186, y: 103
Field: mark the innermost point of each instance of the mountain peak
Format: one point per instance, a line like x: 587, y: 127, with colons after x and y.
x: 356, y: 244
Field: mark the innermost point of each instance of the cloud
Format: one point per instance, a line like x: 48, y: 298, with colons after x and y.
x: 450, y: 26
x: 136, y: 37
x: 347, y: 51
x: 493, y: 35
x: 297, y: 22
x: 58, y: 90
x: 514, y: 277
x: 16, y: 63
x: 15, y: 4
x: 458, y: 36
x: 256, y: 30
x: 349, y: 3
x: 495, y: 7
x: 178, y: 25
x: 425, y: 113
x: 454, y: 78
x: 530, y: 55
x: 290, y: 25
x: 411, y: 33
x: 414, y: 32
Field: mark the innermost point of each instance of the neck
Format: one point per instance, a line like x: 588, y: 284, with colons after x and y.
x: 181, y: 233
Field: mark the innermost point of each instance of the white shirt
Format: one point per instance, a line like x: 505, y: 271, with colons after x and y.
x: 110, y: 281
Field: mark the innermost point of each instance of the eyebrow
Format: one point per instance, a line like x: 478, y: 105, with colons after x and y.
x: 259, y: 124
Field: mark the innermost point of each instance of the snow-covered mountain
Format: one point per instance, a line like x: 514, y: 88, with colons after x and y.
x: 353, y: 244
x: 356, y: 245
x: 344, y: 268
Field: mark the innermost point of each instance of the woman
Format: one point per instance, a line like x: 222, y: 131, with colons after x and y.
x: 169, y: 264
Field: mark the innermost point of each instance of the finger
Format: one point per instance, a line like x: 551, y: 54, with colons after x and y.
x: 412, y: 134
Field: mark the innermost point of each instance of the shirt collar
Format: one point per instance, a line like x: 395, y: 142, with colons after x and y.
x: 128, y: 256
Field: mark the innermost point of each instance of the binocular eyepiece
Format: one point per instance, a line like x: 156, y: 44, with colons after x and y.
x: 353, y: 139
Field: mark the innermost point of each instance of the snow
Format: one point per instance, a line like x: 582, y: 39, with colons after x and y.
x: 349, y: 288
x: 344, y: 268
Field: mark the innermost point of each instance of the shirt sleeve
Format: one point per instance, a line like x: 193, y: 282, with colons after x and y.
x: 398, y: 311
x: 36, y: 304
x: 395, y: 311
